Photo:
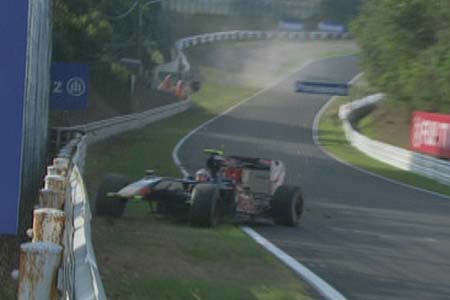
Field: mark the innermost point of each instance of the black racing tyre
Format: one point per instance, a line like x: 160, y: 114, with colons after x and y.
x: 204, y: 205
x: 287, y: 205
x: 111, y: 206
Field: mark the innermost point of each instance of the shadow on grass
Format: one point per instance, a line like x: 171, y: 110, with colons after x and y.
x: 9, y: 260
x: 169, y: 288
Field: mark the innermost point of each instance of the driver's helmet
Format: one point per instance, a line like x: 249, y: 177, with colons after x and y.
x: 202, y: 175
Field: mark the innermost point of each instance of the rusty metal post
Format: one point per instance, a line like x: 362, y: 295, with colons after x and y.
x: 56, y: 183
x: 48, y: 225
x: 58, y: 169
x: 61, y: 163
x: 52, y: 170
x: 37, y: 272
x: 49, y: 198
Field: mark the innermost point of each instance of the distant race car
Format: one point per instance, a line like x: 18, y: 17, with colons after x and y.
x: 229, y: 187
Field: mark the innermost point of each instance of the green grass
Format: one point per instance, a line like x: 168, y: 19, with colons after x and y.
x: 196, y: 289
x: 333, y: 139
x: 190, y: 241
x: 150, y: 258
x: 9, y: 260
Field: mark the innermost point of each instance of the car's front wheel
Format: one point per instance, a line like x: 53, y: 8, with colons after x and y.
x: 204, y: 205
x: 107, y: 205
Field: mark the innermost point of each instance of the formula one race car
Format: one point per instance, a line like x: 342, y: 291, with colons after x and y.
x: 229, y: 187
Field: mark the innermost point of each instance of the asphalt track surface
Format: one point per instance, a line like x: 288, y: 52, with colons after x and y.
x: 367, y: 237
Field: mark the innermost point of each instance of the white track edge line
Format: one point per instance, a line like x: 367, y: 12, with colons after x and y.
x: 322, y: 287
x: 315, y: 135
x: 315, y: 281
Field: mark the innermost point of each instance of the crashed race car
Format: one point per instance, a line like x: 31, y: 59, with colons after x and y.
x: 230, y: 187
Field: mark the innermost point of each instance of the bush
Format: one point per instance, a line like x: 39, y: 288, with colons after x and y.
x: 112, y: 81
x: 406, y: 50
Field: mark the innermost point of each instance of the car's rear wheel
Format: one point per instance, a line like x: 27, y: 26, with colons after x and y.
x: 204, y: 205
x: 287, y: 205
x: 107, y: 205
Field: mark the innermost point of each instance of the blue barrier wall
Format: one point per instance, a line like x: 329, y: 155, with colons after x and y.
x: 13, y: 34
x: 25, y: 54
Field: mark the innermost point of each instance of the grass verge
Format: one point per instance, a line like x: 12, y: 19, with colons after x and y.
x: 151, y: 258
x: 9, y: 260
x: 142, y: 257
x: 332, y: 138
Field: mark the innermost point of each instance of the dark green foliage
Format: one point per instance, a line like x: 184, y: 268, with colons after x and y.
x: 89, y: 30
x: 406, y: 50
x: 112, y: 82
x: 92, y: 32
x: 80, y: 31
x: 339, y: 11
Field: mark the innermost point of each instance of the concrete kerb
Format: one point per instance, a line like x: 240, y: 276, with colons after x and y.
x: 322, y: 287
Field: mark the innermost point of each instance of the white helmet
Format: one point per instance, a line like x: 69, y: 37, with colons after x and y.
x: 202, y: 175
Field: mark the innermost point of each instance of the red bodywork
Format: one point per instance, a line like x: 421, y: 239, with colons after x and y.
x: 256, y: 180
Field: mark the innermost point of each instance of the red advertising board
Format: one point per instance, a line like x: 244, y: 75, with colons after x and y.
x: 430, y: 133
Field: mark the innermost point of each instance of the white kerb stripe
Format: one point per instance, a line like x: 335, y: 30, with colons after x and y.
x: 315, y: 281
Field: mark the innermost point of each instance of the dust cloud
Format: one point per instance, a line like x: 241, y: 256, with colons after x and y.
x: 257, y: 63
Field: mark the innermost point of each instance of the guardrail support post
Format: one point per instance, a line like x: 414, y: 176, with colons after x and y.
x: 61, y: 163
x: 56, y: 183
x: 49, y: 198
x: 48, y: 225
x: 55, y: 170
x: 38, y: 267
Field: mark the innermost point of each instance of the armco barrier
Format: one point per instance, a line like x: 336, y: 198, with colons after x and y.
x: 62, y: 218
x: 257, y: 35
x: 100, y: 130
x: 237, y: 35
x: 78, y: 276
x: 418, y: 163
x: 88, y: 284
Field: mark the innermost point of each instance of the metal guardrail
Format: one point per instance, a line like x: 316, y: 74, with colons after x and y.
x: 257, y: 35
x: 100, y: 130
x: 81, y: 276
x: 87, y: 284
x: 418, y: 163
x: 181, y: 63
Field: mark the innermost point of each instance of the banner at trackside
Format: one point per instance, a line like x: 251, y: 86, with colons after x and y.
x: 70, y: 86
x: 310, y: 87
x: 13, y: 53
x: 331, y: 27
x: 291, y: 26
x: 430, y: 133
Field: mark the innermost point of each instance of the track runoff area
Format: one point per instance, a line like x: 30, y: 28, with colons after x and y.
x: 361, y: 237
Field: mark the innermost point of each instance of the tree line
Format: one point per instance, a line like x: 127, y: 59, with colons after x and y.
x: 100, y: 33
x: 406, y: 50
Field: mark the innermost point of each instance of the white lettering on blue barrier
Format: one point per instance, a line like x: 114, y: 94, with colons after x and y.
x: 76, y: 86
x: 57, y: 87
